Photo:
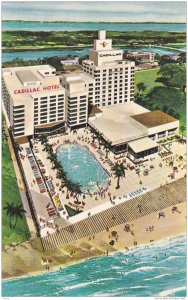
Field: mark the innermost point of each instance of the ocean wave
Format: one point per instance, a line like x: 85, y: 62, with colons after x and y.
x: 67, y: 288
x: 156, y: 277
x: 171, y: 291
x: 141, y: 269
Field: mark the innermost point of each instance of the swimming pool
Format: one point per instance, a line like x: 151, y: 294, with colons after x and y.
x: 81, y: 166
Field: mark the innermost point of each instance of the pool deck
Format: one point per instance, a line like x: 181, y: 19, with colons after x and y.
x: 94, y: 203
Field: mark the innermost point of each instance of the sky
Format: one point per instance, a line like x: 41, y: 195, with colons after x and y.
x: 95, y: 11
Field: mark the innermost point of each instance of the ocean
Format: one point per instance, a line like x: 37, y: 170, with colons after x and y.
x: 58, y: 26
x: 153, y: 270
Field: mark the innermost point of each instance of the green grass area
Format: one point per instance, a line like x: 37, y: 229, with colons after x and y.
x: 182, y: 112
x: 34, y: 39
x: 10, y: 194
x: 148, y: 77
x: 71, y: 212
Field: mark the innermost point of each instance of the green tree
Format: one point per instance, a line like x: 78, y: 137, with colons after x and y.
x: 141, y: 87
x: 182, y: 129
x: 119, y: 172
x: 173, y: 75
x: 10, y: 212
x: 18, y: 213
x: 76, y: 190
x: 43, y: 139
x: 107, y: 147
x: 182, y: 58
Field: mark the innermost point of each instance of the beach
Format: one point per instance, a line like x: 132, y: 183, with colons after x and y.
x: 24, y: 259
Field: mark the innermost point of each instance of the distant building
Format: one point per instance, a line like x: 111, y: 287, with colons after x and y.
x: 174, y: 56
x: 70, y: 62
x: 143, y: 56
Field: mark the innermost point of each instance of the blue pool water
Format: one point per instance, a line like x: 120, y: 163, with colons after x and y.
x: 81, y: 166
x: 157, y: 270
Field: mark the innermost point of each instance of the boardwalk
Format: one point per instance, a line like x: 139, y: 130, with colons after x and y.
x: 173, y: 193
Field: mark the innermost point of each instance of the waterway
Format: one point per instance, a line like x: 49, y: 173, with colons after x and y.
x: 43, y: 26
x: 39, y: 54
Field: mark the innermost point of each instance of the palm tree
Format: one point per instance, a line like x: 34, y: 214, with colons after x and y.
x: 93, y: 132
x: 68, y: 185
x: 119, y: 172
x: 18, y: 213
x: 10, y: 212
x: 43, y: 139
x: 107, y: 147
x: 76, y: 189
x: 182, y: 129
x: 98, y: 136
x: 141, y: 87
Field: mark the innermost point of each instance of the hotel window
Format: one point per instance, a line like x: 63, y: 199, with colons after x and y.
x: 18, y: 116
x: 18, y: 134
x: 19, y: 121
x: 43, y: 98
x: 52, y: 97
x: 60, y: 110
x: 21, y: 111
x: 72, y: 98
x: 53, y: 101
x: 44, y: 114
x: 43, y: 106
x: 18, y: 107
x: 52, y: 120
x: 60, y: 102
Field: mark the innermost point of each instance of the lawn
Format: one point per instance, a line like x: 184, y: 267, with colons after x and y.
x: 148, y: 77
x: 10, y: 193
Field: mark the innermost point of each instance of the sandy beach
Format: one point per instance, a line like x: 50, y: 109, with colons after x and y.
x: 24, y: 259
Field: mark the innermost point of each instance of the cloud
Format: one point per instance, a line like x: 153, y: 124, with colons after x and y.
x: 96, y: 10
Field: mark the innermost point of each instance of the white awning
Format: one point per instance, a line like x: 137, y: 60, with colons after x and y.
x: 142, y: 144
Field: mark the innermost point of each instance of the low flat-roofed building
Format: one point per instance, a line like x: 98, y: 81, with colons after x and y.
x: 130, y: 126
x: 70, y: 62
x: 143, y: 56
x: 157, y: 124
x: 141, y: 148
x: 116, y: 126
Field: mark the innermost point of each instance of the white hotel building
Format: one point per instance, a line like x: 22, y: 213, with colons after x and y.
x: 37, y: 101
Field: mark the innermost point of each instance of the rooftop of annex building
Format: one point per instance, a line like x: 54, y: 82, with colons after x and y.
x: 116, y: 125
x: 35, y: 81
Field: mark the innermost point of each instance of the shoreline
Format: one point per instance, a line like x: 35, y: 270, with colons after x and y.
x: 57, y: 268
x: 168, y: 228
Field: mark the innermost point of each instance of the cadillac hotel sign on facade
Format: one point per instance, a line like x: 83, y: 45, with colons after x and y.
x: 37, y: 89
